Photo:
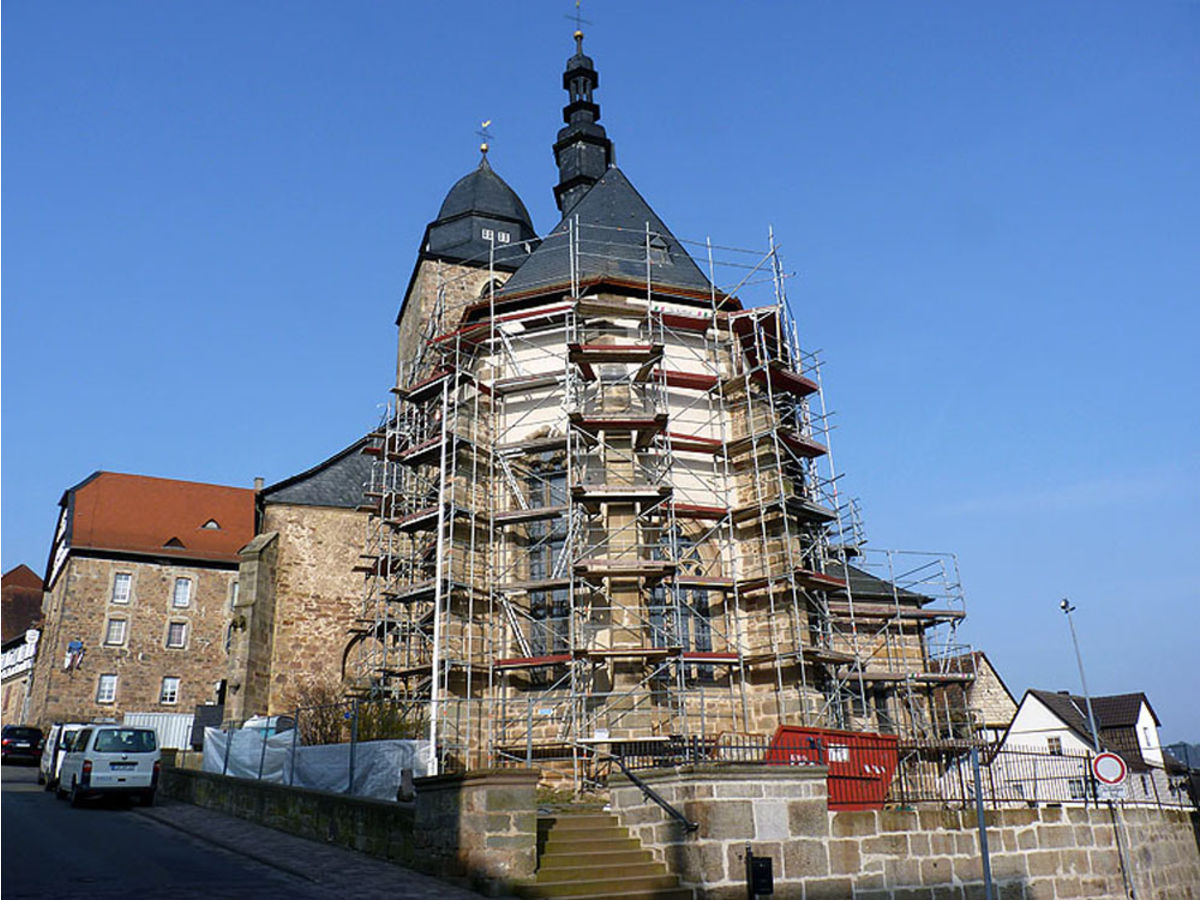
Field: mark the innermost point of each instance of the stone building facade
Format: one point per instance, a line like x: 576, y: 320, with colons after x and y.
x: 294, y: 622
x: 140, y: 585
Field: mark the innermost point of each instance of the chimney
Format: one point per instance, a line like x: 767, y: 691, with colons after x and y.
x: 258, y: 483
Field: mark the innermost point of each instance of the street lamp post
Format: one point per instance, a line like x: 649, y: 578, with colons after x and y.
x: 1118, y: 825
x: 1067, y: 608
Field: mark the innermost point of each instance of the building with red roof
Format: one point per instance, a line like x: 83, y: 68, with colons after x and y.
x: 140, y: 583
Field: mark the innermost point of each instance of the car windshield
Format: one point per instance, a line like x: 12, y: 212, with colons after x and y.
x: 125, y: 740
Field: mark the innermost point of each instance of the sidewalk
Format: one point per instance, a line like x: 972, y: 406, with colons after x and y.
x: 323, y: 867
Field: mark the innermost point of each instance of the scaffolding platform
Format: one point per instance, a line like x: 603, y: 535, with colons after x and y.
x: 648, y: 569
x: 592, y: 495
x: 534, y: 514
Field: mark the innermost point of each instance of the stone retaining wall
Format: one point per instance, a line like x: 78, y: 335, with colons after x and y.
x: 480, y: 826
x: 781, y: 813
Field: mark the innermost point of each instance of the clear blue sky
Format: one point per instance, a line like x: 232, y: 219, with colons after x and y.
x: 993, y: 214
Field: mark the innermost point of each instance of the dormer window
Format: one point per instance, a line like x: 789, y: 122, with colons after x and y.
x: 174, y: 543
x: 211, y: 525
x: 503, y: 237
x: 660, y: 253
x: 488, y: 234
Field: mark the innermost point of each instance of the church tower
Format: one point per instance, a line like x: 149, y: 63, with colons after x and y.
x: 603, y: 509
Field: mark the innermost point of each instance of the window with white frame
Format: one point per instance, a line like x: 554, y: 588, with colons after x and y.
x: 122, y: 587
x: 177, y: 634
x: 182, y: 597
x: 1077, y: 788
x: 106, y: 689
x: 114, y: 632
x: 233, y: 594
x: 503, y: 237
x: 170, y: 690
x: 488, y: 234
x: 1054, y: 745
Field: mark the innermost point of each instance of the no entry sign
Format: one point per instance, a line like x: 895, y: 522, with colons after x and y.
x: 1110, y: 772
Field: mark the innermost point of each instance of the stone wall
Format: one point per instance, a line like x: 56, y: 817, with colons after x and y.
x: 80, y: 606
x: 1035, y: 853
x: 298, y: 601
x: 481, y: 826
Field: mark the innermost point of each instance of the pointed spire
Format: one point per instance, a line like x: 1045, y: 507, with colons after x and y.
x: 583, y: 151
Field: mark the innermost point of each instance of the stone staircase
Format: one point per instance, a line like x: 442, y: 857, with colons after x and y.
x: 589, y: 856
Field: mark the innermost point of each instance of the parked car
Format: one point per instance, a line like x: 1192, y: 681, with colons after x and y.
x: 57, y: 740
x: 20, y: 742
x: 110, y: 759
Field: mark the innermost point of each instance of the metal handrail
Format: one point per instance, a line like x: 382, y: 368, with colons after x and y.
x: 650, y: 794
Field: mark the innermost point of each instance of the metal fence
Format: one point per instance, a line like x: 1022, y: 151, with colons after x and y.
x: 866, y: 770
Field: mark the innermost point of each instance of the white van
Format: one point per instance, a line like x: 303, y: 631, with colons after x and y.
x: 58, y: 739
x: 111, y: 759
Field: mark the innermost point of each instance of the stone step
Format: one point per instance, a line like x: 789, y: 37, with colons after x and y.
x: 606, y: 833
x: 556, y: 845
x: 613, y: 886
x: 599, y: 857
x: 571, y: 821
x: 586, y: 869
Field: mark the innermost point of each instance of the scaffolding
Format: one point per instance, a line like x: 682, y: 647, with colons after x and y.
x: 607, y: 512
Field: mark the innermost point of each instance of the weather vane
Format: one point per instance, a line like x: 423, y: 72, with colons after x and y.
x: 485, y: 135
x: 580, y: 21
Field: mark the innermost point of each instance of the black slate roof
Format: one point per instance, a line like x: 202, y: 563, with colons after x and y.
x: 865, y: 586
x: 338, y: 481
x: 482, y: 190
x: 612, y: 218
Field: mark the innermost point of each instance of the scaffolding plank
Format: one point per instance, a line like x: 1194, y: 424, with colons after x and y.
x: 888, y: 611
x: 698, y: 511
x: 681, y: 322
x: 624, y: 568
x: 520, y: 516
x: 628, y: 652
x: 785, y: 380
x: 592, y: 495
x: 691, y: 443
x: 696, y: 381
x: 702, y: 582
x: 532, y: 662
x: 538, y: 380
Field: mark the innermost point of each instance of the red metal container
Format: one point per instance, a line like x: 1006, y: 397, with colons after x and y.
x: 861, y: 763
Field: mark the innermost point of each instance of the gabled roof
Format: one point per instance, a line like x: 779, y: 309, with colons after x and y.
x: 1117, y: 732
x: 119, y: 513
x: 337, y: 482
x: 1121, y: 710
x: 612, y: 222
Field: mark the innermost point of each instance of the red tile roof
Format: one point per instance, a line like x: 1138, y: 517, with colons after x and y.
x: 159, y: 516
x: 20, y: 601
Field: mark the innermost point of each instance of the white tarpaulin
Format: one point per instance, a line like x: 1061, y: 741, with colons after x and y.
x: 326, y: 767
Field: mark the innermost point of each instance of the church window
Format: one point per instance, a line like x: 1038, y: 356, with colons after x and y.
x: 233, y: 594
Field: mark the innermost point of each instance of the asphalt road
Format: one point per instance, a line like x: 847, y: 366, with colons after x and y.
x: 107, y: 849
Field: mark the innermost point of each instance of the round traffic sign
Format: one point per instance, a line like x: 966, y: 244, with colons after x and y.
x: 1109, y: 768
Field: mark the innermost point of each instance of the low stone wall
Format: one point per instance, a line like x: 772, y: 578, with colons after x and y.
x: 480, y: 826
x: 781, y: 813
x: 483, y: 823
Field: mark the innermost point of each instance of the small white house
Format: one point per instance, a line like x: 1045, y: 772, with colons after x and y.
x: 1049, y: 724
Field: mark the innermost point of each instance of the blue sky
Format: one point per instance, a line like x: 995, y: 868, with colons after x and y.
x: 992, y: 214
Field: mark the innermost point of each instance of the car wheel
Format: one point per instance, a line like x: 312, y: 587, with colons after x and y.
x: 75, y: 797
